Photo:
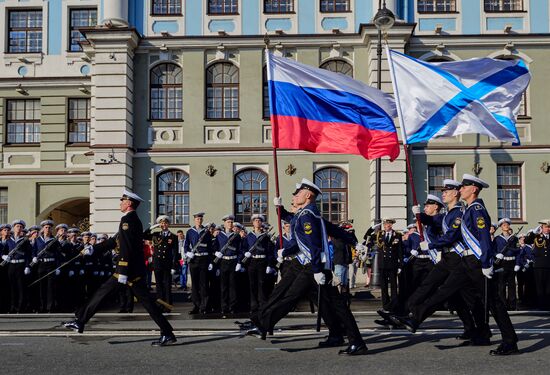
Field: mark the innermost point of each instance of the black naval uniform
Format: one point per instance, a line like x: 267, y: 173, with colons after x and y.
x: 262, y: 256
x: 47, y: 262
x: 131, y: 263
x: 231, y: 256
x: 508, y: 246
x: 541, y: 257
x: 198, y: 265
x: 16, y: 271
x: 165, y: 253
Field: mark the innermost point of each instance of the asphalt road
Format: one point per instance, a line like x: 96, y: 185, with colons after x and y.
x: 120, y: 344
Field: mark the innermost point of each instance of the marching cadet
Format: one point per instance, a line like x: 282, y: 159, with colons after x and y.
x: 287, y: 237
x: 198, y: 248
x: 507, y: 249
x: 259, y: 258
x: 165, y: 245
x: 130, y: 271
x: 476, y: 268
x: 540, y: 241
x: 308, y: 273
x: 527, y: 293
x: 388, y: 245
x: 228, y: 256
x: 5, y: 231
x: 47, y: 257
x: 88, y: 265
x: 17, y: 256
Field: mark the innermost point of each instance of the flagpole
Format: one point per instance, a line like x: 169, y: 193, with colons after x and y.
x: 411, y: 183
x: 274, y: 137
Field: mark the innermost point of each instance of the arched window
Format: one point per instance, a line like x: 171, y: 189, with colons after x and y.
x: 523, y: 110
x: 333, y: 203
x: 338, y: 66
x: 250, y: 194
x: 166, y: 92
x: 173, y: 196
x: 265, y: 95
x: 222, y: 91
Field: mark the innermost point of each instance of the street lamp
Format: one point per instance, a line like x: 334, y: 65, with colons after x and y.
x: 383, y: 20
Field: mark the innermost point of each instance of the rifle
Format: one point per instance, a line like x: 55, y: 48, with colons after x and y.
x: 255, y: 245
x: 15, y: 249
x: 55, y: 270
x: 194, y: 249
x: 45, y: 249
x: 229, y: 242
x: 509, y: 241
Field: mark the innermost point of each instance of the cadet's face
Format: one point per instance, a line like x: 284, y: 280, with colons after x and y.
x: 505, y: 227
x: 61, y: 232
x: 257, y: 223
x: 545, y: 229
x: 47, y: 229
x: 86, y: 239
x: 124, y: 204
x: 164, y: 225
x: 286, y: 228
x: 449, y: 195
x: 492, y: 229
x: 4, y: 232
x: 467, y: 191
x: 198, y: 221
x: 228, y: 225
x: 93, y: 240
x: 180, y: 236
x: 430, y: 209
x: 388, y: 226
x: 522, y: 241
x: 17, y: 228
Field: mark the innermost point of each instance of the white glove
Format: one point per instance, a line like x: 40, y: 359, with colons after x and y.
x: 538, y: 229
x: 268, y: 270
x: 123, y: 279
x: 210, y: 267
x: 320, y: 278
x: 6, y: 258
x: 277, y: 201
x: 96, y: 273
x: 172, y: 272
x: 71, y: 273
x: 88, y: 250
x: 57, y: 272
x: 81, y: 273
x: 189, y: 255
x: 424, y: 246
x: 102, y: 273
x: 27, y: 271
x: 35, y: 260
x: 415, y: 209
x: 377, y: 226
x: 499, y: 256
x: 360, y: 247
x: 526, y: 265
x: 280, y: 253
x: 218, y: 272
x: 218, y: 254
x: 280, y: 260
x: 154, y: 226
x: 516, y: 268
x: 414, y: 253
x: 488, y: 272
x: 238, y: 267
x: 150, y: 259
x: 398, y: 271
x: 247, y: 254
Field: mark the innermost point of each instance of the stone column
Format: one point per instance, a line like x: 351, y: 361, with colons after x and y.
x: 111, y: 51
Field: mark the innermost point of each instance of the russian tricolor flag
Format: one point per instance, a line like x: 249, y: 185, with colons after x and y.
x: 320, y: 111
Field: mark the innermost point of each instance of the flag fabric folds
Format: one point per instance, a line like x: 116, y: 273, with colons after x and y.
x: 476, y: 96
x: 325, y: 112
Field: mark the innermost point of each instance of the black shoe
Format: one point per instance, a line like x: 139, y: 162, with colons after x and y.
x: 257, y: 332
x: 331, y: 342
x: 354, y: 350
x: 409, y: 323
x: 74, y: 325
x: 384, y: 314
x: 478, y: 341
x: 463, y: 336
x: 204, y: 312
x: 194, y: 311
x: 383, y: 322
x: 165, y: 340
x: 122, y: 311
x: 505, y: 349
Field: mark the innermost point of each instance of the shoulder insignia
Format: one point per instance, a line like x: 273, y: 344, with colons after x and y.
x: 478, y: 207
x: 125, y: 226
x: 480, y: 223
x: 307, y: 228
x: 457, y: 222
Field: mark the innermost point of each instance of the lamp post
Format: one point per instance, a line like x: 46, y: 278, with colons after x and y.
x: 383, y: 20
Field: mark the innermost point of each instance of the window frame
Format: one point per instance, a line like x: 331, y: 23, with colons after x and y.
x: 168, y: 6
x: 343, y: 215
x: 337, y: 60
x: 334, y: 4
x: 72, y: 28
x: 436, y: 189
x: 265, y: 95
x: 486, y: 10
x: 73, y: 121
x: 293, y: 11
x: 435, y: 11
x: 519, y: 187
x: 7, y: 123
x: 249, y: 193
x: 174, y: 193
x: 209, y: 13
x: 222, y: 85
x: 9, y: 29
x: 4, y: 205
x: 165, y: 87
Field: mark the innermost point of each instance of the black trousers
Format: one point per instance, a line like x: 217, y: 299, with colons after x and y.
x: 125, y: 298
x: 228, y: 284
x: 470, y: 273
x: 139, y: 289
x: 198, y: 269
x: 163, y: 279
x: 47, y: 286
x: 421, y: 268
x: 257, y: 278
x: 461, y: 301
x: 18, y: 289
x: 527, y: 291
x: 298, y: 282
x: 542, y: 285
x: 4, y: 290
x: 507, y: 284
x: 388, y: 287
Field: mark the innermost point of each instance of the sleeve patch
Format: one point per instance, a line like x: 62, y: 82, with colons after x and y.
x: 480, y: 223
x: 123, y: 264
x: 307, y: 228
x: 457, y: 222
x: 125, y: 226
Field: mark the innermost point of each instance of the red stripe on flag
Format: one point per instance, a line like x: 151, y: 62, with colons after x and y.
x: 333, y: 138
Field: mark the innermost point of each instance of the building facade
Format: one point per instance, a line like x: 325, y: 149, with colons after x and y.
x: 168, y: 98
